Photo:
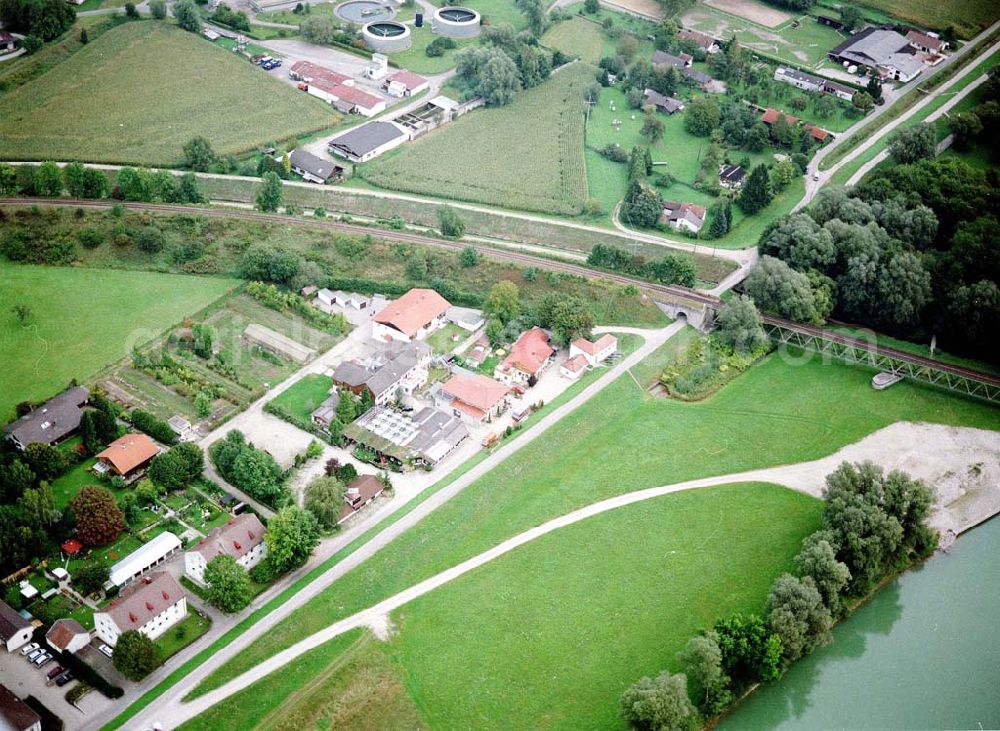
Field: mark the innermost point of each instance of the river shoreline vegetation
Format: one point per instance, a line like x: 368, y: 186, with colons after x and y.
x: 874, y: 525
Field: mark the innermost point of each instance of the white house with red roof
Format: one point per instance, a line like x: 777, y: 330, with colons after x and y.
x: 151, y: 605
x: 405, y: 83
x: 474, y: 398
x: 528, y: 357
x: 242, y: 538
x: 413, y: 316
x: 594, y: 352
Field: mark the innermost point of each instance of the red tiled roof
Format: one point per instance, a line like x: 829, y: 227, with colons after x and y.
x: 346, y: 93
x: 480, y: 392
x: 236, y: 538
x: 129, y: 452
x: 576, y: 363
x: 596, y: 347
x: 360, y: 490
x: 413, y: 310
x: 817, y: 132
x: 310, y: 71
x: 771, y: 116
x: 410, y: 79
x: 530, y: 351
x: 72, y: 546
x: 705, y: 41
x: 143, y: 600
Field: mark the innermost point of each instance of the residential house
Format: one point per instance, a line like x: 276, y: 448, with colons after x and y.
x: 817, y: 133
x: 667, y: 105
x: 413, y: 316
x: 594, y: 352
x: 479, y: 351
x: 127, y: 457
x: 8, y: 43
x: 242, y: 538
x: 15, y: 630
x: 368, y: 141
x: 424, y: 437
x: 314, y: 169
x: 841, y: 91
x: 882, y: 51
x: 770, y: 116
x: 573, y: 368
x: 52, y: 422
x: 15, y: 714
x: 151, y: 606
x: 399, y: 368
x: 528, y: 357
x: 798, y: 79
x: 405, y: 83
x: 703, y: 81
x: 731, y: 176
x: 473, y: 397
x: 926, y: 42
x: 144, y: 559
x: 466, y: 318
x: 684, y: 61
x: 67, y: 635
x: 683, y: 216
x: 703, y: 41
x: 326, y: 412
x: 358, y: 493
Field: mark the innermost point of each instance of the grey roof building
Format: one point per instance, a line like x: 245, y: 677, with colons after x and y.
x: 368, y: 141
x: 51, y: 422
x: 666, y: 104
x: 15, y: 714
x: 424, y: 437
x: 401, y: 365
x: 15, y: 630
x: 312, y: 168
x: 799, y: 79
x: 882, y: 49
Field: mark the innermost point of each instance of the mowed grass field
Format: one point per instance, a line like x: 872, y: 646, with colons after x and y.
x: 967, y: 16
x: 527, y: 155
x: 176, y: 84
x: 82, y: 320
x: 304, y: 397
x: 623, y: 440
x: 576, y: 37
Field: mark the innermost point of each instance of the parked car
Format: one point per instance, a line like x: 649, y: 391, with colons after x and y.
x: 106, y: 650
x: 65, y: 678
x: 35, y: 653
x: 29, y: 648
x: 55, y: 671
x: 43, y: 659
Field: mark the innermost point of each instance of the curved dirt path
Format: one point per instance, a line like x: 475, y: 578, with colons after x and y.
x: 930, y: 452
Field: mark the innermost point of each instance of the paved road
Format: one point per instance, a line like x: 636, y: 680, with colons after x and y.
x: 923, y: 455
x: 163, y: 707
x: 933, y: 116
x: 813, y: 185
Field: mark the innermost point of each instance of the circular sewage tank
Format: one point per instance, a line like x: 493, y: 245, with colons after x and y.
x: 456, y: 22
x: 386, y: 36
x: 364, y: 11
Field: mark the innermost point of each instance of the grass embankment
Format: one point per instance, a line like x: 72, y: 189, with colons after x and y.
x: 623, y: 440
x: 524, y: 641
x: 527, y: 155
x: 83, y: 320
x: 177, y: 86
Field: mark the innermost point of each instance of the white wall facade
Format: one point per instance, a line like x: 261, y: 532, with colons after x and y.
x: 109, y: 631
x: 19, y: 638
x: 195, y: 563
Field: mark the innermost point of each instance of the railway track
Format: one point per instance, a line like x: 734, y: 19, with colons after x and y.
x: 670, y: 293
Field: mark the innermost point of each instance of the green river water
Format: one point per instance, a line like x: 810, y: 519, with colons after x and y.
x: 924, y: 653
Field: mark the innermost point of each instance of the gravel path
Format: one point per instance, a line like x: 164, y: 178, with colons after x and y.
x: 965, y: 460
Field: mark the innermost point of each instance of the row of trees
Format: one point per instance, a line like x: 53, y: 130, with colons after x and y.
x: 670, y: 269
x: 79, y: 181
x: 873, y: 523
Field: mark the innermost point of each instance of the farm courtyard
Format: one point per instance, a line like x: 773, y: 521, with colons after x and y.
x: 177, y: 85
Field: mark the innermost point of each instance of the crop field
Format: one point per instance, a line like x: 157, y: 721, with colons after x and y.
x: 576, y: 37
x: 967, y: 16
x: 775, y: 413
x: 178, y: 86
x: 83, y: 320
x: 527, y: 155
x: 806, y: 45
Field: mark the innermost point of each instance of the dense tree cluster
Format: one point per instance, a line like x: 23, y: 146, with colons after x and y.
x: 503, y: 64
x: 670, y: 269
x: 250, y: 469
x: 178, y: 467
x: 42, y: 19
x: 154, y: 426
x: 291, y: 536
x: 229, y: 587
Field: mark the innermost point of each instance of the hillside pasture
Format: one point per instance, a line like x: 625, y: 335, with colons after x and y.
x: 143, y: 89
x: 527, y: 155
x: 82, y: 320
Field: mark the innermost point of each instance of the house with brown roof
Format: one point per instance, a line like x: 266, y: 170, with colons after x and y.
x: 8, y: 43
x: 67, y: 635
x: 683, y: 216
x: 703, y: 41
x: 472, y: 397
x: 528, y: 357
x: 15, y: 714
x: 413, y: 316
x: 771, y: 116
x: 52, y: 422
x: 926, y: 42
x: 405, y: 83
x: 573, y: 368
x: 359, y: 492
x: 594, y: 352
x: 242, y: 538
x: 127, y: 457
x: 15, y: 630
x: 151, y: 605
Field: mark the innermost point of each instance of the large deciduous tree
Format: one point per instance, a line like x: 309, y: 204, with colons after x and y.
x: 291, y: 536
x: 659, y: 705
x: 739, y: 326
x: 708, y: 684
x: 797, y: 613
x: 270, y: 192
x: 99, y: 520
x: 324, y: 498
x: 778, y: 289
x: 912, y: 144
x: 228, y: 584
x: 135, y: 656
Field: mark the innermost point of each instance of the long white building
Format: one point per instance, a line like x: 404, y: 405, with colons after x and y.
x: 144, y: 559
